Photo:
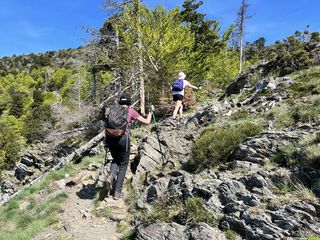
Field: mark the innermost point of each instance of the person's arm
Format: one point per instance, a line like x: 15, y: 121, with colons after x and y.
x: 149, y: 117
x: 192, y: 86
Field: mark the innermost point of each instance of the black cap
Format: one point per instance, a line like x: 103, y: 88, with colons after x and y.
x: 125, y: 100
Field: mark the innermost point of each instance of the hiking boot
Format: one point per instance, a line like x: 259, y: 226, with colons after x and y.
x: 108, y: 185
x: 173, y: 121
x: 106, y: 188
x: 117, y: 196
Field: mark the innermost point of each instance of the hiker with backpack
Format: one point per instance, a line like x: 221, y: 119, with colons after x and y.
x: 117, y: 139
x: 178, y: 87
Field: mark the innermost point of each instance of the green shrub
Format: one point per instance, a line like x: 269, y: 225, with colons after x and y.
x: 289, y: 155
x: 305, y: 114
x: 172, y: 208
x: 242, y: 114
x: 313, y: 238
x: 313, y: 156
x: 11, y: 141
x: 231, y: 235
x: 305, y: 152
x: 306, y: 82
x: 280, y: 117
x: 216, y: 144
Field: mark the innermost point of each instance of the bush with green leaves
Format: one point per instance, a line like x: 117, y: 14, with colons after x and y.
x: 216, y: 144
x: 11, y: 141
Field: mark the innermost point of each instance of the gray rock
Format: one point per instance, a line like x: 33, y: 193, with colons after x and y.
x: 255, y: 180
x: 161, y: 231
x: 308, y: 208
x: 237, y: 85
x: 22, y: 171
x: 206, y: 188
x: 174, y: 231
x: 203, y: 231
x: 249, y: 199
x: 244, y: 164
x: 214, y: 206
x: 27, y: 160
x: 228, y: 190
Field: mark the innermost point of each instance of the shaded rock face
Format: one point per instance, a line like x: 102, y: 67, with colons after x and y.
x: 260, y: 71
x: 242, y: 196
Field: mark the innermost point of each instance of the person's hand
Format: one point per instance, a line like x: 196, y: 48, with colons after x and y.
x: 151, y: 108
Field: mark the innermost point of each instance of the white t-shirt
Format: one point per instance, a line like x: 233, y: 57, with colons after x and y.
x: 185, y: 82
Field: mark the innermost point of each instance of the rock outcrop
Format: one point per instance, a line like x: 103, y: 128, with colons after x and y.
x: 248, y: 195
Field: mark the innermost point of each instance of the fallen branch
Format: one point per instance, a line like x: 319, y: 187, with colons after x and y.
x: 75, y: 156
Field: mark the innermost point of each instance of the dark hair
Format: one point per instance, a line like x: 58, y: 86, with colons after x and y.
x: 125, y: 100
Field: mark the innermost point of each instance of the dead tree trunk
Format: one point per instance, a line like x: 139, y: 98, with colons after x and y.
x: 75, y: 156
x: 242, y: 17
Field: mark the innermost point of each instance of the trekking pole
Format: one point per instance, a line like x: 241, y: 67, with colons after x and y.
x: 157, y: 132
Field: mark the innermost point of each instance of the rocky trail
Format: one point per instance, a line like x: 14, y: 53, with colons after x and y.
x: 82, y: 215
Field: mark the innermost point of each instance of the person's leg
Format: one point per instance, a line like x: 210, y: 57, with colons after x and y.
x: 176, y: 109
x: 112, y: 145
x: 180, y: 110
x: 116, y: 157
x: 123, y: 165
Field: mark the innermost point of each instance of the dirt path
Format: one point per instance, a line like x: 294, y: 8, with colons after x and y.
x: 81, y: 218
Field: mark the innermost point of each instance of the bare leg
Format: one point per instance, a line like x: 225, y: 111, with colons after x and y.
x: 176, y: 109
x: 180, y: 110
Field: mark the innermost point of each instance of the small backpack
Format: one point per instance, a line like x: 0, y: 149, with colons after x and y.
x: 177, y: 85
x: 116, y: 121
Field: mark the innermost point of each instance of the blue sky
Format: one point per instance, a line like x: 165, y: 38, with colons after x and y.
x: 41, y: 25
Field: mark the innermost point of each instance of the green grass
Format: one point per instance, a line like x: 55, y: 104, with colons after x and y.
x: 216, y: 144
x: 127, y: 231
x: 25, y: 215
x: 305, y: 152
x: 305, y: 113
x: 313, y: 238
x: 183, y: 211
x: 26, y: 224
x: 280, y: 116
x: 306, y: 82
x: 104, y: 212
x: 241, y: 114
x: 231, y: 235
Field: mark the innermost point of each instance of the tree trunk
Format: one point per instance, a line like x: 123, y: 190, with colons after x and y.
x: 241, y: 53
x: 140, y: 63
x: 141, y: 80
x: 79, y: 92
x: 94, y: 88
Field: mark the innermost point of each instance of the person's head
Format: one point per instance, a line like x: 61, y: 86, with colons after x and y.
x: 181, y: 75
x: 125, y: 100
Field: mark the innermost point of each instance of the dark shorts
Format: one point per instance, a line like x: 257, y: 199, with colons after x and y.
x: 177, y: 97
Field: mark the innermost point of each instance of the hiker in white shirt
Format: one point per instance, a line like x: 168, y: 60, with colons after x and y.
x: 178, y: 93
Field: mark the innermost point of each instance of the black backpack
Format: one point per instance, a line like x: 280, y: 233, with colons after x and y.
x: 116, y: 121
